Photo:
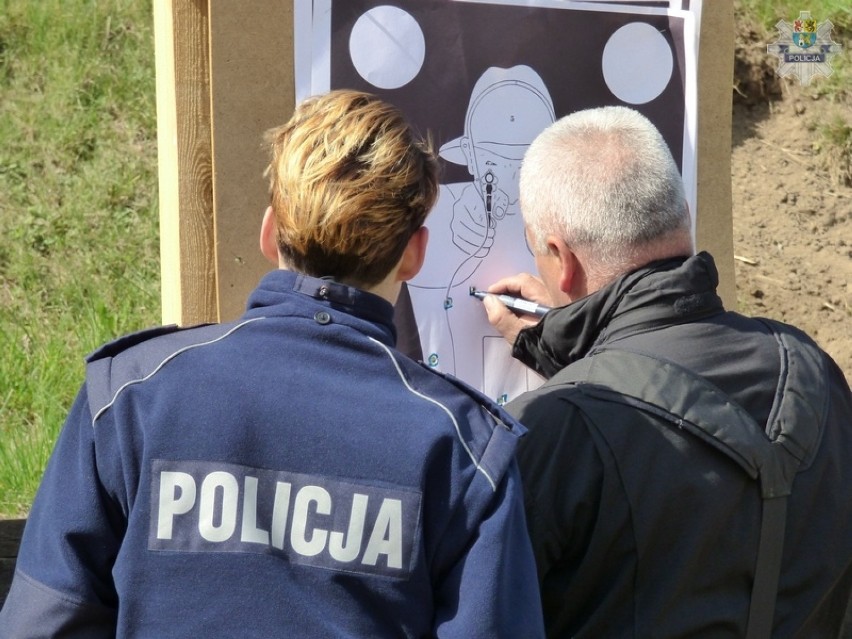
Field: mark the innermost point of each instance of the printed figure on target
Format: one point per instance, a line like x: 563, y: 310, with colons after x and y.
x: 479, y: 228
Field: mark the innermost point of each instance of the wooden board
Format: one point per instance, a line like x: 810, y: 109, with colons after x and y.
x: 252, y: 90
x: 11, y: 531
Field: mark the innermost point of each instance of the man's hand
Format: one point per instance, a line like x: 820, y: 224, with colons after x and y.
x: 506, y: 321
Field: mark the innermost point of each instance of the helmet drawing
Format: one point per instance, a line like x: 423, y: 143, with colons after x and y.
x: 508, y: 108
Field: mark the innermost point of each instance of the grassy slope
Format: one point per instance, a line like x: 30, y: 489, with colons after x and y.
x: 78, y: 209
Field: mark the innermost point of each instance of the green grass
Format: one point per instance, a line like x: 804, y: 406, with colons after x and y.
x: 769, y: 12
x: 78, y: 210
x: 837, y: 136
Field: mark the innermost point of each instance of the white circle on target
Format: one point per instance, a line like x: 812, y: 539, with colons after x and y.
x: 637, y: 63
x: 387, y: 47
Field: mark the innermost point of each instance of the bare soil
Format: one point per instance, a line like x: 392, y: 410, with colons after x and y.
x: 792, y: 202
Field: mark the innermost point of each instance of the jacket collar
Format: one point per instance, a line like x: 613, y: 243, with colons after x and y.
x: 283, y: 292
x: 669, y: 291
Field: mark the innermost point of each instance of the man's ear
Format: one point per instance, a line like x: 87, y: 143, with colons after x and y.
x: 413, y: 256
x: 571, y: 277
x: 268, y: 237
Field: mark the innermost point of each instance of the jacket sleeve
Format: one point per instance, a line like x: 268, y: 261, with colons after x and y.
x: 62, y: 585
x: 491, y: 589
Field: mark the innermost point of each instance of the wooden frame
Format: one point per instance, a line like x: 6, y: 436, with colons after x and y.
x: 225, y: 75
x: 217, y: 92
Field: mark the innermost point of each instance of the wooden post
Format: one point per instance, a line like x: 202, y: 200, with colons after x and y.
x: 187, y: 249
x: 714, y: 224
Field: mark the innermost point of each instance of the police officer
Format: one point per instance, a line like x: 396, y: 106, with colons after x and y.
x: 289, y: 473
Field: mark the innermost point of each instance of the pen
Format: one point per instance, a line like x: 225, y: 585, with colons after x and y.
x: 515, y: 303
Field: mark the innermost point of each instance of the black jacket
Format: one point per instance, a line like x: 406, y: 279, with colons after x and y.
x: 640, y: 527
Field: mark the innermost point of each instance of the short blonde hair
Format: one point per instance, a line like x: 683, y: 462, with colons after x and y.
x: 350, y: 184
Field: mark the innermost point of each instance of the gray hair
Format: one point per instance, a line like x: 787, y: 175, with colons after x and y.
x: 603, y: 180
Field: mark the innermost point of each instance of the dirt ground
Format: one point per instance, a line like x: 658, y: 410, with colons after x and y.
x: 792, y: 202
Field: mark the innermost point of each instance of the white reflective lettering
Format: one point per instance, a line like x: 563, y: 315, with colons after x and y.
x: 386, y: 538
x: 349, y: 551
x: 230, y: 491
x: 177, y: 497
x: 280, y: 510
x: 298, y: 533
x: 250, y: 532
x: 322, y: 522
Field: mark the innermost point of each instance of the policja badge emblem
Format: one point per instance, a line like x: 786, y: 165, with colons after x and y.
x: 804, y: 48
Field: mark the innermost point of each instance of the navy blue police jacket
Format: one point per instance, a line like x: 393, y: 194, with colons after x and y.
x: 287, y: 474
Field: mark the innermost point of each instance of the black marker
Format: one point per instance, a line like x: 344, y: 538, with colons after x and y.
x: 515, y: 303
